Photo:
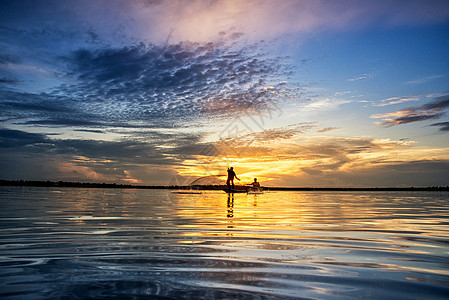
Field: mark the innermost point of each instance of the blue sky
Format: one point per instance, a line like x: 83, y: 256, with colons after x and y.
x: 296, y: 93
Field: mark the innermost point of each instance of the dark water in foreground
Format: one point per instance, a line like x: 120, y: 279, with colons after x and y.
x: 132, y: 244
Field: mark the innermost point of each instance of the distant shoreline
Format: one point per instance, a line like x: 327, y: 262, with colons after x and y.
x: 34, y: 183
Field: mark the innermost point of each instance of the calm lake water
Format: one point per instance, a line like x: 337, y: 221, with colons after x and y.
x: 131, y: 244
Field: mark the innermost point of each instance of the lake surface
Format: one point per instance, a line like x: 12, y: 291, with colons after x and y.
x: 129, y: 244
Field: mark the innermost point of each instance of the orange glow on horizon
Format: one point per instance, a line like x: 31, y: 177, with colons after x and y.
x: 132, y: 180
x: 288, y: 163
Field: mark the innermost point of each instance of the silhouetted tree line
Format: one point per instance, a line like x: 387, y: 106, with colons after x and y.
x: 428, y: 188
x: 71, y: 184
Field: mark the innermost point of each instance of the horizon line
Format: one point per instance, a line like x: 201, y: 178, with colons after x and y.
x: 60, y: 183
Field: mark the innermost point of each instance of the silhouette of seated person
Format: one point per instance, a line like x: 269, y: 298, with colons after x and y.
x: 231, y: 176
x: 255, y: 184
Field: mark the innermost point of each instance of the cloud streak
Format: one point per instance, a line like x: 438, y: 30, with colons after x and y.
x: 424, y: 79
x: 444, y: 126
x: 430, y: 111
x: 327, y: 129
x: 396, y: 100
x: 361, y: 77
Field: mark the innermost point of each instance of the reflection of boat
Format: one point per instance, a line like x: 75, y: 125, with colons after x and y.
x: 252, y: 190
x: 244, y: 189
x: 185, y: 192
x: 235, y: 191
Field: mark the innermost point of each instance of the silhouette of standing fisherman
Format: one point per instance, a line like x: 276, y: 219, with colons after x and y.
x: 231, y: 176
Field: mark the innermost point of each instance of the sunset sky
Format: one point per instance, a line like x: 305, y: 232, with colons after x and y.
x: 296, y: 93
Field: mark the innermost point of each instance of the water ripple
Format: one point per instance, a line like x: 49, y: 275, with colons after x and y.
x: 132, y: 244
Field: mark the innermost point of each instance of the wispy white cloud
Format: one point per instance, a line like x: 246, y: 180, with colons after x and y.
x: 325, y: 104
x: 361, y: 77
x: 424, y: 79
x: 397, y: 100
x: 342, y: 93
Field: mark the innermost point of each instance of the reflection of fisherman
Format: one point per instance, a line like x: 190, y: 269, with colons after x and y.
x: 231, y: 176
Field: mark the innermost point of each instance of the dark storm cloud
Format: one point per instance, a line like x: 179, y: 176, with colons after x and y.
x: 36, y: 156
x: 130, y: 151
x: 42, y: 109
x: 122, y: 152
x: 9, y: 80
x: 429, y: 111
x: 16, y: 138
x: 28, y: 102
x: 143, y: 150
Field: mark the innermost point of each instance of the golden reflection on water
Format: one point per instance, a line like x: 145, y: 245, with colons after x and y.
x: 284, y: 210
x: 280, y: 209
x: 331, y: 224
x: 303, y: 227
